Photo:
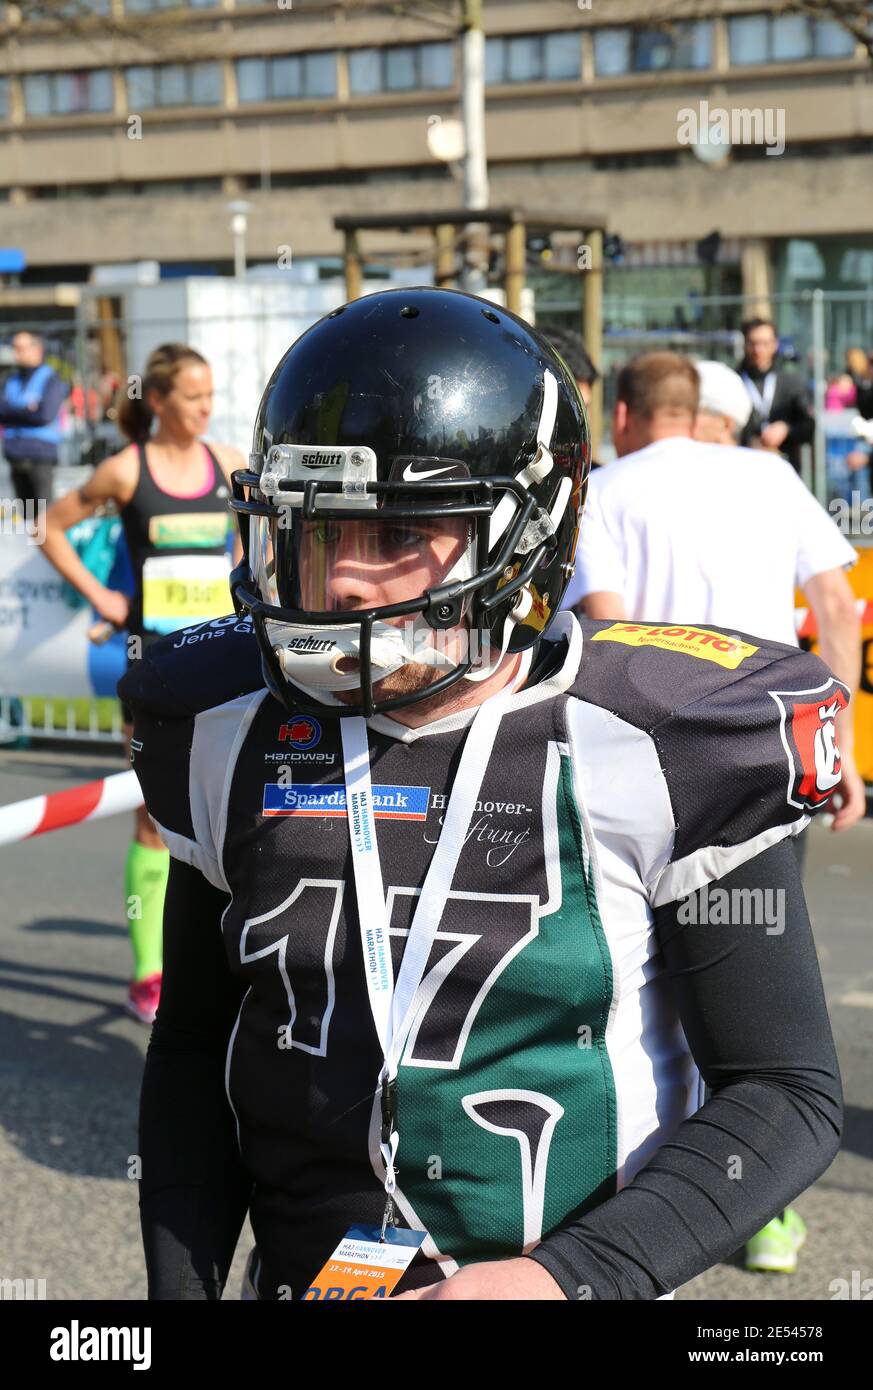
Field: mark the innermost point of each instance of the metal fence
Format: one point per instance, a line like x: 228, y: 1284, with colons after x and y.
x: 815, y: 328
x: 84, y: 721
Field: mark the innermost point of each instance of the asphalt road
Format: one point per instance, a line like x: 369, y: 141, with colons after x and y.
x: 71, y: 1060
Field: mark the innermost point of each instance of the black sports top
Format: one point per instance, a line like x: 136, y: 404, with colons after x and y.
x: 178, y: 549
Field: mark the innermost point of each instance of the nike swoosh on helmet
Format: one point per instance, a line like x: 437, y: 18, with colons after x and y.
x: 410, y: 476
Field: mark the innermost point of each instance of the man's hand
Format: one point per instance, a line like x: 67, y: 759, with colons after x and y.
x: 774, y: 436
x: 852, y: 793
x: 493, y: 1280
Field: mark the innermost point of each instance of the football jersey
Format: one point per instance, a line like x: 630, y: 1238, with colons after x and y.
x: 546, y: 1063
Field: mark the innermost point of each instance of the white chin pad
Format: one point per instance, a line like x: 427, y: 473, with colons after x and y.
x: 312, y: 657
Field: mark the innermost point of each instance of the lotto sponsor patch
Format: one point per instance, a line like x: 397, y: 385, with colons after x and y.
x: 808, y: 729
x: 695, y: 641
x: 329, y: 799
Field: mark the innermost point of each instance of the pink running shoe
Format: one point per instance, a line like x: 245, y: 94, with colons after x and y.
x: 143, y: 998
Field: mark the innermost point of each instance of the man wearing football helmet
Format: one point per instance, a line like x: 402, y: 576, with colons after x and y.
x: 439, y: 955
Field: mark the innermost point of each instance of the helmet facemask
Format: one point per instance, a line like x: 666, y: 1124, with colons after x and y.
x: 317, y: 550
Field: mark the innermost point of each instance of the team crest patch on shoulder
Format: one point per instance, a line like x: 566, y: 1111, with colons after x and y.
x: 808, y: 728
x: 694, y: 641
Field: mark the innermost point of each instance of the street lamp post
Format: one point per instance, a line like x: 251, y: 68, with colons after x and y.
x: 239, y: 211
x: 476, y: 191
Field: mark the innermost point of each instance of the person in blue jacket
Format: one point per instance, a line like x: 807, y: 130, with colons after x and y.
x: 29, y: 415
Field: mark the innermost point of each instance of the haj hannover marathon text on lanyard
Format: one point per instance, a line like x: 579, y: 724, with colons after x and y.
x: 369, y: 1262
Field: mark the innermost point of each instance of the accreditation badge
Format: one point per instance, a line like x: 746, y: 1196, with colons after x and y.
x: 365, y: 1266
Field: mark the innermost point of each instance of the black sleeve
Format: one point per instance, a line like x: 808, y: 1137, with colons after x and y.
x: 194, y: 1191
x: 752, y: 1006
x: 795, y: 411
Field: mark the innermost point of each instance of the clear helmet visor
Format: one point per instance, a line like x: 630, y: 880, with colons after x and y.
x: 329, y: 566
x: 341, y: 567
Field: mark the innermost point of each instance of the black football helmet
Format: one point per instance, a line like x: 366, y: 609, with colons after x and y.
x: 406, y: 409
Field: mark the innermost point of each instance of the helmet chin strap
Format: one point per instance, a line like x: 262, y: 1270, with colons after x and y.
x: 316, y: 672
x: 312, y: 657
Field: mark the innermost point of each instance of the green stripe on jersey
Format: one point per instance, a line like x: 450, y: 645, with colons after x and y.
x: 506, y: 1103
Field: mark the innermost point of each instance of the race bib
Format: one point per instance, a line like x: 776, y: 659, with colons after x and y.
x: 179, y: 590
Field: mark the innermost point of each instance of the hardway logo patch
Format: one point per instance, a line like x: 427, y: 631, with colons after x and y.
x: 696, y: 641
x: 329, y: 799
x: 301, y: 733
x: 808, y: 729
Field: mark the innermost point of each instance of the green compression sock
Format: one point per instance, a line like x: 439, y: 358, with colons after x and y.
x: 145, y: 882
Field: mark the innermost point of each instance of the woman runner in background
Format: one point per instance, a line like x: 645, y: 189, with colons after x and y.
x: 171, y: 489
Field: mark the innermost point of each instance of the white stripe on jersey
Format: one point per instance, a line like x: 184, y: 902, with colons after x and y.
x: 631, y: 819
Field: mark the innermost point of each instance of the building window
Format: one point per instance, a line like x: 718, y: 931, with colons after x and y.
x: 561, y: 57
x: 365, y: 70
x: 405, y: 68
x: 174, y: 84
x: 67, y: 93
x: 686, y: 44
x: 320, y: 75
x: 437, y: 62
x: 171, y: 86
x: 524, y: 60
x: 831, y: 40
x: 207, y: 86
x: 786, y: 38
x: 790, y: 38
x: 64, y: 9
x: 749, y: 39
x: 612, y: 52
x: 4, y: 98
x: 400, y: 69
x: 534, y: 58
x: 143, y: 6
x: 287, y: 78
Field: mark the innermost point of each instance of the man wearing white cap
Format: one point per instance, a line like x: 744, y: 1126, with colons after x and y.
x: 724, y: 408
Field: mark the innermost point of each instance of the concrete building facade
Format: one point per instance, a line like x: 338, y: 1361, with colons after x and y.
x: 124, y: 133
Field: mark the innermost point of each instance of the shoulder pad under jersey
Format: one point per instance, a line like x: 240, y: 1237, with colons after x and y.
x: 195, y: 669
x: 743, y: 732
x: 188, y: 694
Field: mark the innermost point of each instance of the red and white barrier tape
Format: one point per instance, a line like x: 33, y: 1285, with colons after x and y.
x: 21, y: 820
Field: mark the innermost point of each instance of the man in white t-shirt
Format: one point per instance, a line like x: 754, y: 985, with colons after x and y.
x: 682, y: 530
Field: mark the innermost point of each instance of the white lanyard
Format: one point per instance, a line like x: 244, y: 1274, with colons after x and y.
x: 394, y: 1008
x: 762, y: 403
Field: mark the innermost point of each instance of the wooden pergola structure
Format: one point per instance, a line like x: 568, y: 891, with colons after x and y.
x: 513, y: 225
